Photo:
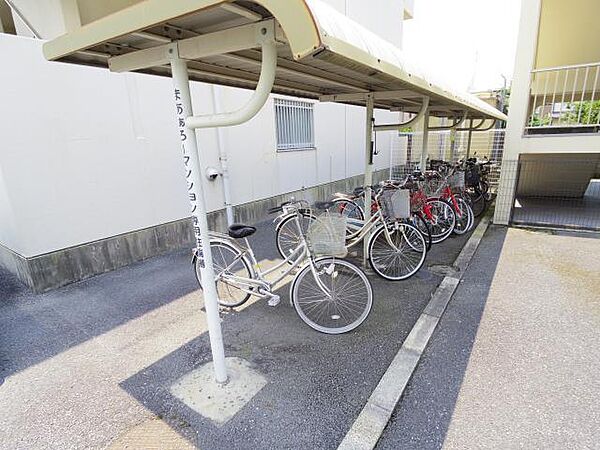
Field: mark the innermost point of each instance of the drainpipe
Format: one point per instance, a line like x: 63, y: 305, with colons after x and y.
x: 223, y: 158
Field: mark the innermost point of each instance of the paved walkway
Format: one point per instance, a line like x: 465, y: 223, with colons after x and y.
x: 515, y: 361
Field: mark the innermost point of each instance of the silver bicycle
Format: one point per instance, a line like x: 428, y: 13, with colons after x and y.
x: 329, y: 294
x: 396, y: 249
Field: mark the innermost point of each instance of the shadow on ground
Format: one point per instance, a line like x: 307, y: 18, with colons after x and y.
x: 317, y: 384
x: 425, y: 411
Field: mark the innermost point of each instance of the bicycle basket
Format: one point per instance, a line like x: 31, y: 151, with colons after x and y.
x: 326, y: 235
x: 433, y: 186
x: 457, y: 180
x: 395, y: 203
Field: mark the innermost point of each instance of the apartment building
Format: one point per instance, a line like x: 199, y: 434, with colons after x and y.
x: 551, y: 166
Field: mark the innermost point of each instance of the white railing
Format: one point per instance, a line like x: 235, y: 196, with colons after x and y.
x: 565, y: 97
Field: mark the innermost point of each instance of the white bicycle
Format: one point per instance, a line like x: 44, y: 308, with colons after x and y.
x: 329, y: 294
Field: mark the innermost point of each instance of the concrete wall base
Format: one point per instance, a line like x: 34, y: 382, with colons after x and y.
x: 52, y: 270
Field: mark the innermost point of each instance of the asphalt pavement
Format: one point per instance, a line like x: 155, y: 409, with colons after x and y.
x: 90, y: 364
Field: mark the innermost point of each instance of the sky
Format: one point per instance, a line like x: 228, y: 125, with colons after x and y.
x: 467, y: 43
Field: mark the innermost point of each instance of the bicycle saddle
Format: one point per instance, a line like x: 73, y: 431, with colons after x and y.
x: 239, y: 230
x: 323, y: 205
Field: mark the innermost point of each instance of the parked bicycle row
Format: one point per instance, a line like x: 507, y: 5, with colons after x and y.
x: 330, y: 293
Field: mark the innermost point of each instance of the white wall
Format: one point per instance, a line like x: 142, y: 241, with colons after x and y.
x: 87, y: 154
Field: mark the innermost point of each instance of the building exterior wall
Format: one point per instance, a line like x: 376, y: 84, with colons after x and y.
x: 88, y: 154
x: 517, y: 143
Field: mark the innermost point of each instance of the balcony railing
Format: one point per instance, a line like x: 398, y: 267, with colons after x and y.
x: 565, y: 99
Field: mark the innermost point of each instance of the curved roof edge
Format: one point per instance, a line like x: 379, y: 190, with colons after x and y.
x: 314, y: 31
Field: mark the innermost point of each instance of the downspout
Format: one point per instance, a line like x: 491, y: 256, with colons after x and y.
x: 223, y: 158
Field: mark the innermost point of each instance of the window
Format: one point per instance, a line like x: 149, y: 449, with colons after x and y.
x: 294, y: 123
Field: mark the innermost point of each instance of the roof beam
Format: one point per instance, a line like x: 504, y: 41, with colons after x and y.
x: 362, y: 96
x: 241, y: 11
x: 201, y: 46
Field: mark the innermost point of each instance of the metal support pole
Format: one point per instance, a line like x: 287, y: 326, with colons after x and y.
x: 191, y: 160
x: 368, y: 169
x: 425, y: 149
x: 469, y: 137
x: 223, y: 159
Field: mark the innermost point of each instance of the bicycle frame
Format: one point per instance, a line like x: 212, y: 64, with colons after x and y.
x: 376, y: 220
x: 258, y: 281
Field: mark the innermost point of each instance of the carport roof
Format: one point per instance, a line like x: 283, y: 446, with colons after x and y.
x: 321, y: 52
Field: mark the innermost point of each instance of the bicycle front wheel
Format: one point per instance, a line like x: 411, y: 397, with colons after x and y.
x: 420, y: 224
x: 442, y: 220
x: 287, y: 234
x: 352, y: 212
x: 331, y: 295
x: 464, y: 216
x: 397, y: 253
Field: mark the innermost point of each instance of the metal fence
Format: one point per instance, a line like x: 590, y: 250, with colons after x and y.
x: 554, y: 192
x: 406, y: 148
x: 566, y: 97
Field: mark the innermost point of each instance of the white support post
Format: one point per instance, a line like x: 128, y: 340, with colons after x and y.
x: 368, y: 170
x: 425, y: 149
x: 223, y: 158
x: 469, y: 138
x: 191, y: 159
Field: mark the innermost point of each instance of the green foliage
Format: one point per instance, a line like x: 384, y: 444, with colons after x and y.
x: 585, y: 112
x: 537, y: 121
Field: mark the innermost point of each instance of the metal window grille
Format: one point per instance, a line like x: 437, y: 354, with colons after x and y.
x: 294, y: 124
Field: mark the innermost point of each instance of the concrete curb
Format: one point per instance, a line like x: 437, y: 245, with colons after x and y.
x: 372, y: 420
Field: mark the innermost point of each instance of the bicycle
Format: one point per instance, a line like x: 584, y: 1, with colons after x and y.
x: 446, y: 185
x: 351, y: 206
x: 396, y: 250
x: 329, y: 294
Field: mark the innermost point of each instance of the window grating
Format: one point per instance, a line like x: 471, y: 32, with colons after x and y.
x: 294, y: 123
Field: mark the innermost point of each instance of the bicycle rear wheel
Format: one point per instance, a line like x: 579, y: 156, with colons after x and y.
x: 344, y: 307
x: 227, y: 262
x: 405, y: 259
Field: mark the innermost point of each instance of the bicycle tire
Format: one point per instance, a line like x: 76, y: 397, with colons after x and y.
x: 421, y: 224
x: 478, y: 202
x: 387, y: 262
x: 286, y: 234
x: 465, y: 221
x: 219, y: 249
x: 328, y: 311
x: 441, y: 230
x: 351, y: 210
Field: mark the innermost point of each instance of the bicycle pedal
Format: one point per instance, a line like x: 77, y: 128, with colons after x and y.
x: 274, y: 300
